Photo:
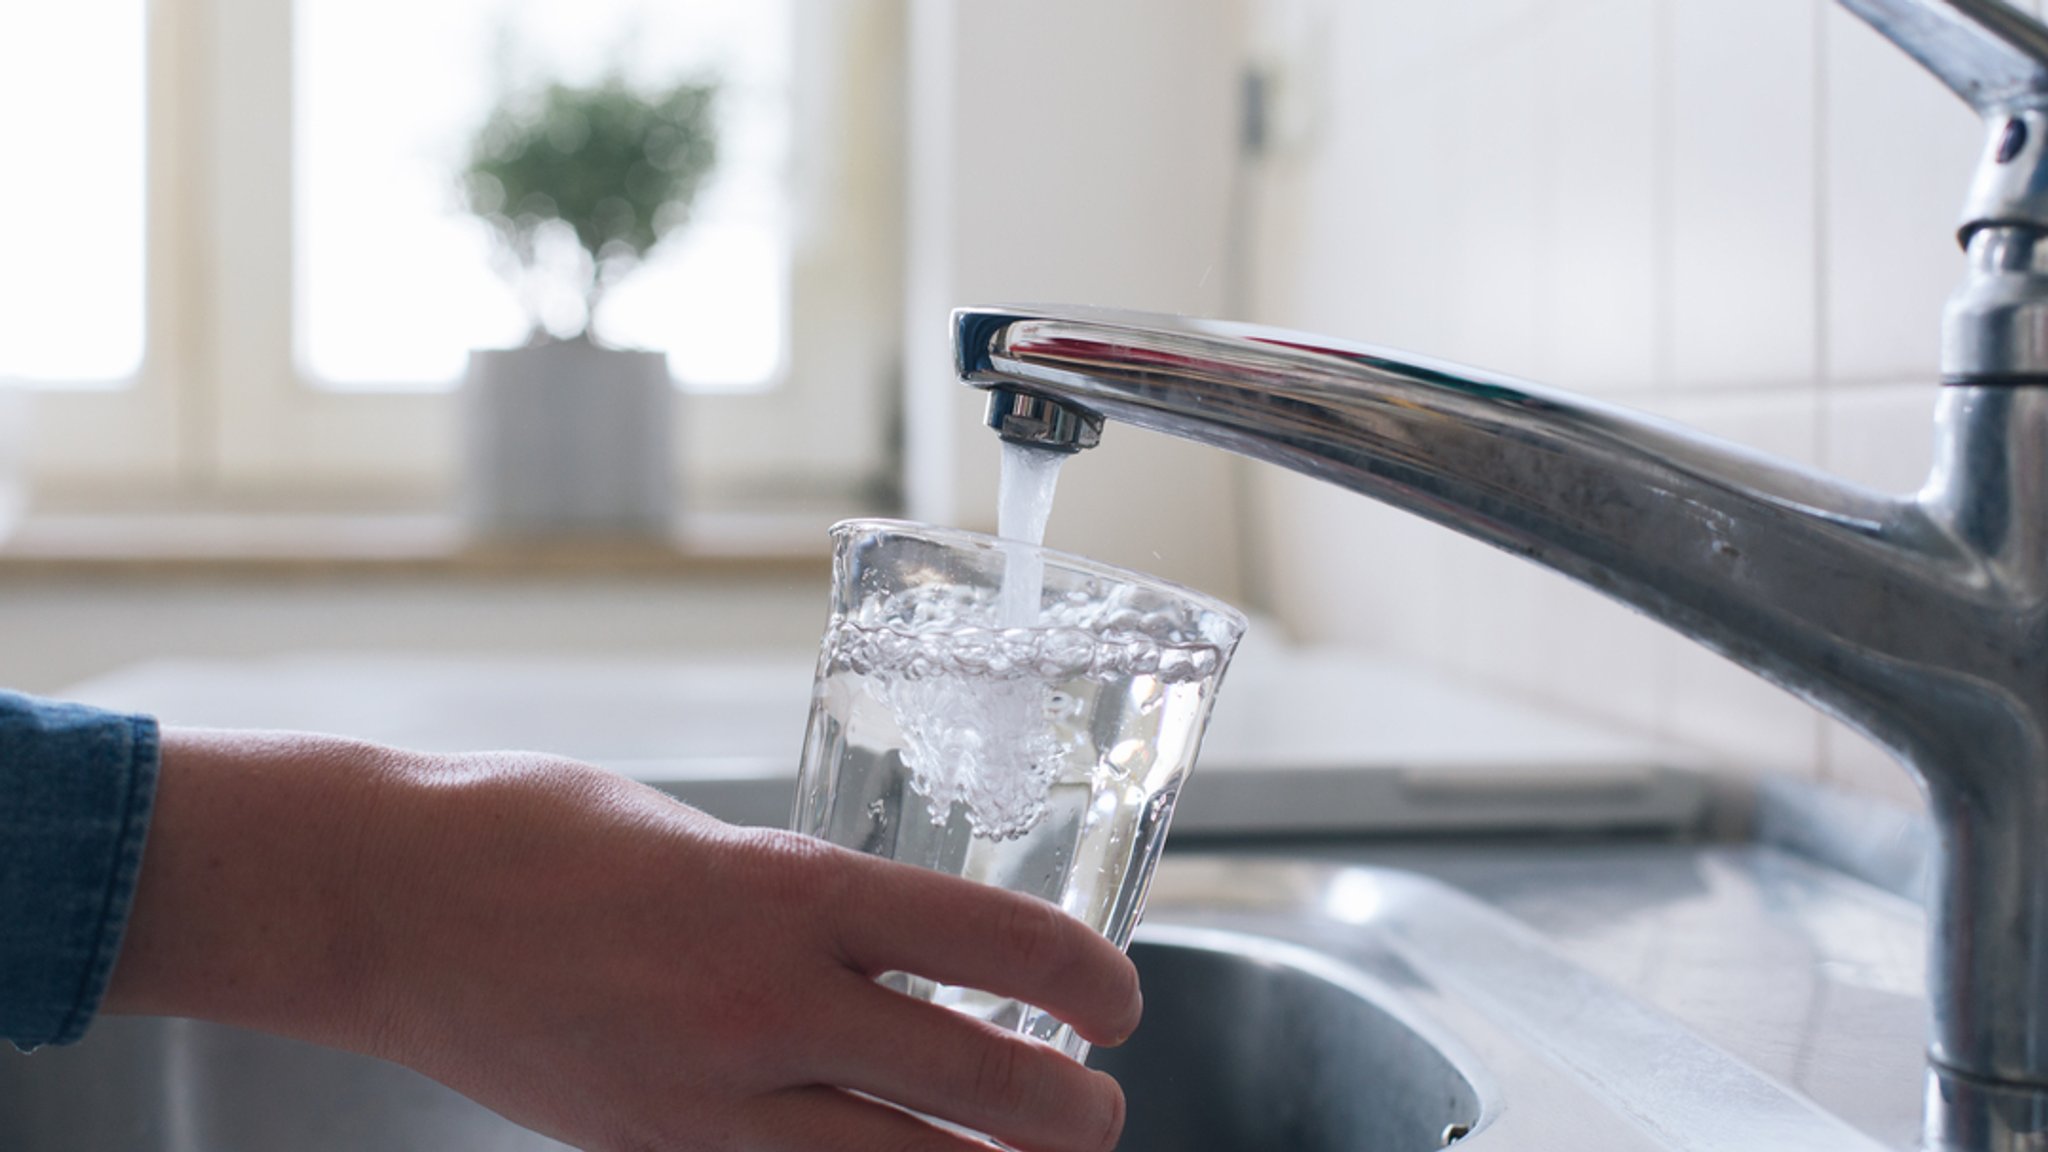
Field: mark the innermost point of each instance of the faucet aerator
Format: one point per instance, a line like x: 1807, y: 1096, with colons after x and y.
x: 1041, y: 422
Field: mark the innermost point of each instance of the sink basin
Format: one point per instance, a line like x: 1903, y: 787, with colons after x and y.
x: 1245, y: 1048
x: 183, y: 1086
x: 1289, y: 1004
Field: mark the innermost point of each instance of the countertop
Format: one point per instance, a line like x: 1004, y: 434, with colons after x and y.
x: 1814, y: 979
x: 1302, y: 740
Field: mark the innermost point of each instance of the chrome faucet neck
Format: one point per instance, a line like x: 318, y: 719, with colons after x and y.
x: 1995, y: 329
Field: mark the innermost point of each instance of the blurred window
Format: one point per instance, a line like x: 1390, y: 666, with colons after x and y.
x: 396, y: 282
x: 235, y: 263
x: 72, y: 121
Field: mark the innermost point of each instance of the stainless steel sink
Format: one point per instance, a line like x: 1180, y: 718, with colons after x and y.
x: 1289, y: 1004
x: 184, y: 1086
x: 1247, y: 1047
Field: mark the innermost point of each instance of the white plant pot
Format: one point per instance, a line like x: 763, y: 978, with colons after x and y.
x: 568, y: 438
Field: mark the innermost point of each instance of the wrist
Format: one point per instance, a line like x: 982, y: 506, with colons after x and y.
x: 251, y: 904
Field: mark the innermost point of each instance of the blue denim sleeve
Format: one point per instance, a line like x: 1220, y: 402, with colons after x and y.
x: 76, y: 788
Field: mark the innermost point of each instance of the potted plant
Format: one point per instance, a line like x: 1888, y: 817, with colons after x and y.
x: 578, y: 184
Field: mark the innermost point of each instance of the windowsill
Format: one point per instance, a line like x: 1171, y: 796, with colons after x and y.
x: 255, y: 543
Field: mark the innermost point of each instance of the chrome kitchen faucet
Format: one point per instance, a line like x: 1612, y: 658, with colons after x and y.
x: 1920, y: 620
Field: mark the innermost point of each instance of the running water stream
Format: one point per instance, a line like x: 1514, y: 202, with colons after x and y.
x: 1024, y: 504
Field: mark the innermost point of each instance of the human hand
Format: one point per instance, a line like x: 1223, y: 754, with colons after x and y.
x: 600, y: 963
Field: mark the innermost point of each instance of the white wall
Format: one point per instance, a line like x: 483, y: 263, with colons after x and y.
x: 1735, y: 213
x: 1078, y: 152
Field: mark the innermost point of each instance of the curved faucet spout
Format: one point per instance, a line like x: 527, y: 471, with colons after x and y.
x: 1921, y: 620
x: 1729, y: 546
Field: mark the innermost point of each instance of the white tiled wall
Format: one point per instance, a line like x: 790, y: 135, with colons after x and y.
x: 1741, y: 129
x: 1738, y: 214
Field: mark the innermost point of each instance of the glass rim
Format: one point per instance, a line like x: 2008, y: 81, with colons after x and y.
x: 1053, y: 556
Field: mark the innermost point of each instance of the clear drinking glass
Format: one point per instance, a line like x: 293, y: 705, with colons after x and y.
x: 1037, y: 742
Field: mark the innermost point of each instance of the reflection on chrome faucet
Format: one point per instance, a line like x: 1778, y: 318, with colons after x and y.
x: 1920, y: 620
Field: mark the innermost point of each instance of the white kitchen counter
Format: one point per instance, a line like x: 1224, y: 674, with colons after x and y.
x: 1301, y: 741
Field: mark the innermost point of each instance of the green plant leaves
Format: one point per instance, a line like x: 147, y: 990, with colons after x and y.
x: 619, y: 166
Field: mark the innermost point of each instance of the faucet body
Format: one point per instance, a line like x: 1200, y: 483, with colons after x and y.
x: 1921, y: 620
